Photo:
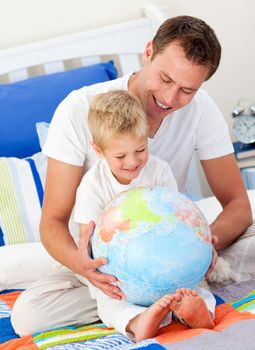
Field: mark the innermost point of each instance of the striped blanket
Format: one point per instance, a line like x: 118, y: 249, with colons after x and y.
x: 234, y: 319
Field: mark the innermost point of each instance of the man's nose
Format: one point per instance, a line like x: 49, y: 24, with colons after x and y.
x: 170, y: 95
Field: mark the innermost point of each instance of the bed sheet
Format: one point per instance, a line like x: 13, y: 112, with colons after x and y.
x: 234, y: 319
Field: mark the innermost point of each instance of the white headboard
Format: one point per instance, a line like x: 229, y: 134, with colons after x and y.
x: 125, y: 42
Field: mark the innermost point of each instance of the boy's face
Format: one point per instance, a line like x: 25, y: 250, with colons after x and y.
x: 126, y: 155
x: 167, y: 82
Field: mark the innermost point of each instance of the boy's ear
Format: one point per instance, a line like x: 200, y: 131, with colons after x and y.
x: 97, y: 149
x: 147, y: 52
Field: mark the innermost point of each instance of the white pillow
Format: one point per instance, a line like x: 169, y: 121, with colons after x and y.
x: 42, y: 132
x: 211, y: 207
x: 22, y: 264
x: 21, y: 193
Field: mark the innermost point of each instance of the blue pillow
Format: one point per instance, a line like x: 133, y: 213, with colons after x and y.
x: 24, y: 103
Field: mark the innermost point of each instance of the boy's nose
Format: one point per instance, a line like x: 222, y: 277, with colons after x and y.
x: 131, y: 161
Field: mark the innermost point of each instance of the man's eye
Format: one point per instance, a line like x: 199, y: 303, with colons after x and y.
x: 165, y: 80
x: 187, y: 92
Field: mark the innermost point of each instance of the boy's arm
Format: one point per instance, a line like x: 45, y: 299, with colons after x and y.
x: 60, y: 189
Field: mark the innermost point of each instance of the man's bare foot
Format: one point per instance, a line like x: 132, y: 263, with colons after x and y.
x: 146, y: 324
x: 192, y: 309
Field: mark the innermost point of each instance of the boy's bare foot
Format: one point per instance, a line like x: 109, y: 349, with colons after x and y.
x: 192, y: 309
x: 146, y: 324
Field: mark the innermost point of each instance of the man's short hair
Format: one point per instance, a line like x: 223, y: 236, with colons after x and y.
x: 197, y: 39
x: 116, y: 113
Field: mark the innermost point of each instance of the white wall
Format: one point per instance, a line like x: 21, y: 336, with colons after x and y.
x: 233, y: 21
x: 24, y: 21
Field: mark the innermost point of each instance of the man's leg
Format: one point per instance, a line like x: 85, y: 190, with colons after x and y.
x: 57, y: 300
x: 240, y: 256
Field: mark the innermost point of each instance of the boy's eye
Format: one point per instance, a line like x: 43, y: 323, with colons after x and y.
x: 120, y: 157
x: 141, y: 150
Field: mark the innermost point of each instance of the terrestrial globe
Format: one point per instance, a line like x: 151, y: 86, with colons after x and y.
x: 156, y: 240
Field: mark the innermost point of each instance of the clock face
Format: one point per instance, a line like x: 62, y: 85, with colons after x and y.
x: 244, y: 128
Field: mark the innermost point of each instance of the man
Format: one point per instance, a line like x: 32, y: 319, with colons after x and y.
x: 182, y: 118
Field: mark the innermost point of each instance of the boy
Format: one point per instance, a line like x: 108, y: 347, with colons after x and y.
x: 119, y: 131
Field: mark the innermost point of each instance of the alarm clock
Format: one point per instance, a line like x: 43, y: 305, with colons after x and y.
x: 244, y: 121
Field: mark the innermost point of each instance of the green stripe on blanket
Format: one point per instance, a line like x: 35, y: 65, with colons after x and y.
x: 247, y: 303
x: 71, y: 334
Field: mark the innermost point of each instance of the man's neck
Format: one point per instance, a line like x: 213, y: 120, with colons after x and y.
x: 154, y: 125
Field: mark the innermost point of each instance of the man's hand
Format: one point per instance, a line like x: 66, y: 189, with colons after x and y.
x: 87, y: 266
x: 214, y: 256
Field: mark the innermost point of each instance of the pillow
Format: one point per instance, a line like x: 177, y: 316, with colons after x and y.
x: 211, y: 207
x: 42, y: 132
x: 24, y: 103
x: 21, y: 195
x: 23, y: 264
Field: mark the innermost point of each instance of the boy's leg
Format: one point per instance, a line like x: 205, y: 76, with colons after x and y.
x: 57, y: 300
x: 146, y: 324
x: 136, y: 322
x: 116, y: 313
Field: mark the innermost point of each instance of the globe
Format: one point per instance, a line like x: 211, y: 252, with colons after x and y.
x: 156, y: 240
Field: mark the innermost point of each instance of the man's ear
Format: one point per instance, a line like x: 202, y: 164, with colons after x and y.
x: 97, y: 149
x: 147, y: 52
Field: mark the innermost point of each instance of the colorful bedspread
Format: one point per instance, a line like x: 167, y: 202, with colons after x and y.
x: 235, y: 329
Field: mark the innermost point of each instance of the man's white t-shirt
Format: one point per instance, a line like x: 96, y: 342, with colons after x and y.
x: 199, y: 126
x: 99, y: 186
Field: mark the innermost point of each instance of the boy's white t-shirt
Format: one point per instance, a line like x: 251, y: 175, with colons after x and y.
x: 199, y: 126
x: 99, y: 186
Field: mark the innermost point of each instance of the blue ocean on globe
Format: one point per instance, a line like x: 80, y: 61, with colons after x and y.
x: 156, y: 241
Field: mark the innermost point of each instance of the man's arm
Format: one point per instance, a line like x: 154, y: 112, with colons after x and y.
x: 59, y: 197
x: 225, y: 180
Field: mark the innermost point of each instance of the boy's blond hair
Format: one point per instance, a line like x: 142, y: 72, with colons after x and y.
x: 116, y: 113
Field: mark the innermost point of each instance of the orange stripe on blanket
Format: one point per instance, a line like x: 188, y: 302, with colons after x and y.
x: 225, y: 315
x: 10, y: 298
x: 24, y: 343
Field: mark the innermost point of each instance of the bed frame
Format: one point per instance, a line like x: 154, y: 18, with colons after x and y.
x: 123, y: 42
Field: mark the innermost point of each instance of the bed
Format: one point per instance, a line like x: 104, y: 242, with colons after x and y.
x: 34, y: 79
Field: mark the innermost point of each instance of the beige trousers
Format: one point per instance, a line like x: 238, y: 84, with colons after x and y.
x: 57, y: 300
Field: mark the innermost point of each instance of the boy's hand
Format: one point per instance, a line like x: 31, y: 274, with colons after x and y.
x: 88, y: 266
x: 214, y: 256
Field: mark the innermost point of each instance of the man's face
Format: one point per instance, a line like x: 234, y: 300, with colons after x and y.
x: 168, y: 81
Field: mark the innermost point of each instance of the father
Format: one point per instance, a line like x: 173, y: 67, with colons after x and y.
x: 182, y: 119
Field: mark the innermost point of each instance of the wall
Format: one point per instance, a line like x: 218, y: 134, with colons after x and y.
x: 233, y: 20
x: 30, y: 20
